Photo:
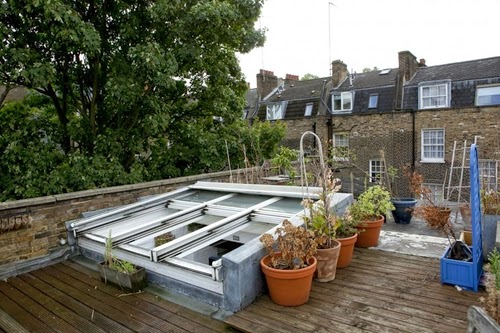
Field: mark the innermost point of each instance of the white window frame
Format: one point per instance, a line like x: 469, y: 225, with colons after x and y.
x: 444, y: 95
x: 488, y: 174
x: 308, y: 110
x: 484, y: 93
x: 424, y: 151
x: 377, y: 171
x: 340, y: 147
x: 437, y: 192
x: 343, y: 97
x: 374, y: 97
x: 275, y: 111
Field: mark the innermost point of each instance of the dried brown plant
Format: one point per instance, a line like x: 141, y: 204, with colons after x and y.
x: 292, y: 248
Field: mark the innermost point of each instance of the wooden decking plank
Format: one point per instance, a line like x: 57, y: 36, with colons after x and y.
x: 76, y: 306
x: 185, y: 313
x: 248, y: 326
x: 118, y: 304
x: 79, y: 323
x: 139, y: 303
x: 55, y: 323
x: 411, y: 290
x: 375, y: 312
x: 9, y: 324
x: 370, y: 285
x: 395, y: 304
x: 89, y: 300
x: 432, y: 281
x: 265, y: 325
x: 14, y: 310
x: 328, y: 316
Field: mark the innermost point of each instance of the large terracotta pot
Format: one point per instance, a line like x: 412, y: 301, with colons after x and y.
x: 327, y: 263
x: 369, y: 237
x: 288, y: 287
x: 346, y: 250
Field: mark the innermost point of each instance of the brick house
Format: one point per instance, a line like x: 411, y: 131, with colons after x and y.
x: 415, y: 113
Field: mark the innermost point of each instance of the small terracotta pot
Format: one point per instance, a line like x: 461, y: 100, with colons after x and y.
x: 327, y: 263
x: 346, y: 250
x: 288, y: 287
x: 369, y: 237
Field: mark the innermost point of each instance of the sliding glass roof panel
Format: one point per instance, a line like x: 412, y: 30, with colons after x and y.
x: 136, y: 223
x: 285, y: 205
x: 244, y: 200
x: 200, y: 196
x: 148, y: 241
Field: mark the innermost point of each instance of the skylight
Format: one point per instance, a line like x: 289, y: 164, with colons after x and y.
x: 384, y: 71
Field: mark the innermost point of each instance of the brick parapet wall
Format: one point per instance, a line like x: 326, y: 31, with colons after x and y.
x: 32, y: 228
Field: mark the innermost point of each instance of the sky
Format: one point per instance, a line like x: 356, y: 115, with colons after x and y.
x: 304, y: 36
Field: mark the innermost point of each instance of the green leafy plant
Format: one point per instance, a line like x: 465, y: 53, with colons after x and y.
x: 373, y: 202
x: 491, y: 302
x: 283, y: 160
x: 292, y: 248
x: 114, y: 263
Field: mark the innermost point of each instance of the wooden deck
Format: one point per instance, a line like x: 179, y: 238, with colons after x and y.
x: 68, y: 297
x: 379, y: 292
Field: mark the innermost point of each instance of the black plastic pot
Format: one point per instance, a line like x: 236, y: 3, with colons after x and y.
x: 404, y: 210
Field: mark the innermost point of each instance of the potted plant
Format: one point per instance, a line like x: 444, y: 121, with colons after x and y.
x: 487, y: 319
x: 121, y: 273
x: 290, y: 264
x: 403, y: 206
x: 347, y: 235
x: 321, y: 220
x: 490, y: 203
x: 367, y: 212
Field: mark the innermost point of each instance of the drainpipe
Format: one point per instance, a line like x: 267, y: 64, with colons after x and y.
x: 414, y: 139
x: 314, y: 131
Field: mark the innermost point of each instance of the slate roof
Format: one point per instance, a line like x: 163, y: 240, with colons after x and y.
x: 252, y: 100
x: 459, y: 71
x: 370, y: 80
x: 300, y: 90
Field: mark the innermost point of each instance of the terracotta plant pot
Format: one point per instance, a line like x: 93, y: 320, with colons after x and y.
x: 369, y: 237
x: 346, y: 250
x: 288, y: 287
x: 327, y: 263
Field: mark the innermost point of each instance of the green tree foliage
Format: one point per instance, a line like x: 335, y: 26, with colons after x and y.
x: 133, y: 86
x: 367, y: 69
x: 309, y: 76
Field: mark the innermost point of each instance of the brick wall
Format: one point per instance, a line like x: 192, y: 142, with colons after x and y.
x: 393, y: 132
x: 32, y: 228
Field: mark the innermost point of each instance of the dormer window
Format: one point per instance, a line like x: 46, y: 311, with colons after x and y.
x: 373, y: 101
x: 275, y: 111
x: 434, y: 95
x: 487, y: 95
x: 309, y: 109
x: 342, y: 101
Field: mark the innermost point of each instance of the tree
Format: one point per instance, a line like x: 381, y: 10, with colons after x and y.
x: 367, y: 69
x: 309, y: 76
x: 126, y: 76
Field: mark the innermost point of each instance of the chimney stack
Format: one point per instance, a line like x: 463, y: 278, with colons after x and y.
x: 421, y: 63
x: 266, y: 82
x: 408, y: 66
x: 339, y: 73
x: 290, y: 78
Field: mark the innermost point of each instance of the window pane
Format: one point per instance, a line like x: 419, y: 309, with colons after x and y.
x: 337, y: 103
x: 373, y: 101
